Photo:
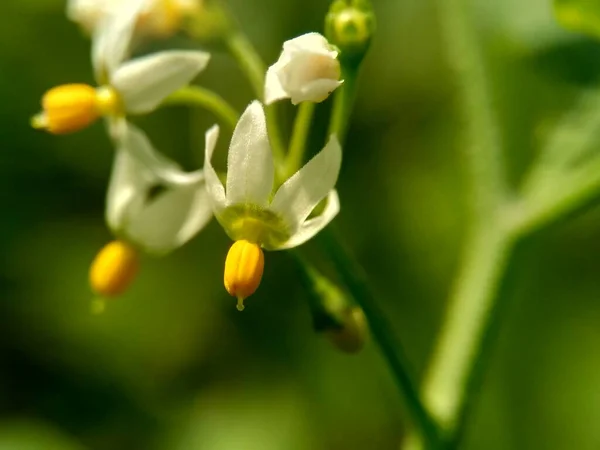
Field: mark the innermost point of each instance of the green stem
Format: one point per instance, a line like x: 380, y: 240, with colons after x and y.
x: 300, y: 133
x: 204, y: 98
x: 252, y: 65
x: 343, y: 102
x: 354, y: 278
x: 448, y: 382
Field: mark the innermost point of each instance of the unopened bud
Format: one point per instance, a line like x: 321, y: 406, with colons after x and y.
x: 351, y: 337
x: 350, y: 25
x: 243, y: 270
x: 72, y: 107
x: 113, y: 269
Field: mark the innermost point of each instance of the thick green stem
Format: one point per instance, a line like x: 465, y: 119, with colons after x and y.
x: 343, y: 102
x: 254, y: 68
x: 204, y: 98
x: 299, y: 137
x: 355, y: 280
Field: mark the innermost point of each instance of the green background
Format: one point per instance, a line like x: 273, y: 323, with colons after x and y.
x: 173, y: 365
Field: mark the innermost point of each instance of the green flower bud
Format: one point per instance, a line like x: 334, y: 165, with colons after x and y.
x: 351, y: 337
x: 350, y: 25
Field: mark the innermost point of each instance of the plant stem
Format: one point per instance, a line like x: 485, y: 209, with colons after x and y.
x: 343, y: 102
x: 448, y: 381
x: 300, y: 132
x: 355, y: 280
x: 204, y: 98
x: 252, y: 65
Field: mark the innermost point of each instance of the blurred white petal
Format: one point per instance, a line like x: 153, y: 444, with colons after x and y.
x: 310, y: 42
x: 298, y: 196
x: 273, y: 89
x: 144, y: 83
x: 250, y: 169
x: 312, y: 226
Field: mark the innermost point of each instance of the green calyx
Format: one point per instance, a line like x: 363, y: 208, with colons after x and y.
x: 350, y: 25
x: 254, y: 224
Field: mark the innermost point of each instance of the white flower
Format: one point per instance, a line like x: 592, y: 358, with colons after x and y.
x: 158, y: 18
x: 126, y: 87
x: 151, y: 202
x: 246, y: 209
x: 307, y: 70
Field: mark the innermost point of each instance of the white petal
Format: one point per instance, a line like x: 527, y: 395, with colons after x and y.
x: 214, y: 187
x: 315, y: 91
x: 144, y: 83
x: 171, y: 219
x: 112, y: 38
x: 134, y: 141
x: 312, y: 226
x: 128, y: 179
x: 273, y: 89
x: 250, y: 168
x: 298, y: 196
x: 310, y: 42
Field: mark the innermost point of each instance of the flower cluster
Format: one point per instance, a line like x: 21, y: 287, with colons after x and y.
x: 155, y: 207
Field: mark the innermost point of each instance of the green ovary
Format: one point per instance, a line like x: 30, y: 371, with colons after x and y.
x: 254, y: 224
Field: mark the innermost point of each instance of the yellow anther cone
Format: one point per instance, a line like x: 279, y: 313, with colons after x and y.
x: 243, y: 270
x: 113, y: 269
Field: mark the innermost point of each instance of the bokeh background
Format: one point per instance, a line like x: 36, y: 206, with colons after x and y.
x: 172, y: 365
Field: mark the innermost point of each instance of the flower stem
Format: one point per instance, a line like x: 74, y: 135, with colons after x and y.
x: 201, y: 97
x: 343, y: 102
x: 252, y: 65
x: 355, y: 280
x: 300, y: 133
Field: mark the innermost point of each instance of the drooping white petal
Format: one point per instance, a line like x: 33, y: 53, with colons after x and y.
x: 214, y: 187
x: 134, y: 141
x: 171, y: 219
x: 112, y: 38
x: 273, y: 89
x: 128, y: 178
x: 145, y: 82
x: 315, y: 91
x: 312, y: 226
x: 310, y: 42
x: 298, y: 196
x: 250, y: 169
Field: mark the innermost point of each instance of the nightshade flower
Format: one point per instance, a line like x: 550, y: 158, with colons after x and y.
x: 307, y: 70
x: 254, y: 218
x: 125, y: 87
x: 158, y: 18
x: 152, y: 206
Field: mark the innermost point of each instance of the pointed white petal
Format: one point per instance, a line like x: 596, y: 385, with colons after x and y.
x: 214, y: 187
x: 171, y: 219
x: 112, y: 38
x: 298, y: 196
x: 273, y: 89
x: 312, y: 226
x: 133, y: 140
x: 129, y: 177
x: 250, y: 169
x: 145, y: 82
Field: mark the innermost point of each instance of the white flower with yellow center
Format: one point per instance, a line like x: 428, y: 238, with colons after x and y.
x: 137, y: 86
x: 158, y: 18
x: 307, y: 71
x: 256, y: 218
x: 152, y: 205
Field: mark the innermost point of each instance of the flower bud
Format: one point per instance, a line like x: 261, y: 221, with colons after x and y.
x: 72, y: 107
x: 351, y: 337
x: 113, y: 269
x: 243, y: 270
x: 350, y: 25
x: 307, y: 70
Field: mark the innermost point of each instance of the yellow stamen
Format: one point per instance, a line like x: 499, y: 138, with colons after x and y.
x: 113, y: 269
x: 243, y: 270
x: 72, y: 107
